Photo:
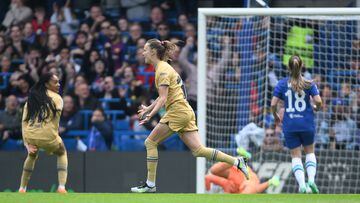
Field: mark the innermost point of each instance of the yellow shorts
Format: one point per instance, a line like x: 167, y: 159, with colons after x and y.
x: 48, y: 145
x: 180, y: 119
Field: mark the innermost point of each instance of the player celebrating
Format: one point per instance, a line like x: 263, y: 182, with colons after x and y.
x: 298, y: 120
x: 179, y: 116
x: 40, y: 126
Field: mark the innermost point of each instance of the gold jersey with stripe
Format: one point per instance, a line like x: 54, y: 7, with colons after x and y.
x: 165, y: 75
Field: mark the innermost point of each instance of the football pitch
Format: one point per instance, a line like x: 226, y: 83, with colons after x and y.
x: 8, y: 197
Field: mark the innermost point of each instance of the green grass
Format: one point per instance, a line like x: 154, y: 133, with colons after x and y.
x: 8, y: 197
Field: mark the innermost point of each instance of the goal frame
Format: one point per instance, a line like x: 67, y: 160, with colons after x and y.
x: 202, y: 64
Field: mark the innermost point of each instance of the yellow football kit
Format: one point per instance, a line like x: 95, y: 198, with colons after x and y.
x: 179, y: 115
x: 44, y: 135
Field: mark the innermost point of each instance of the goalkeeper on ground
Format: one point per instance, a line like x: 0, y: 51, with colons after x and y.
x: 233, y: 181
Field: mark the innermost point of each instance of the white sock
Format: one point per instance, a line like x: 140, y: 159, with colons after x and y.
x: 81, y: 146
x: 298, y: 170
x: 236, y: 162
x: 62, y: 187
x: 310, y: 165
x: 22, y: 188
x: 150, y: 184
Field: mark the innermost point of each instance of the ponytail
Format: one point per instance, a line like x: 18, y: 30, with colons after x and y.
x: 170, y: 48
x: 298, y: 83
x: 164, y: 49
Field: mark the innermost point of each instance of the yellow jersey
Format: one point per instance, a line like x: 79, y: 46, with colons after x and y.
x: 47, y: 130
x: 165, y: 75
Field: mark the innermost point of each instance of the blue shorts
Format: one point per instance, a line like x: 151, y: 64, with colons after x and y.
x: 296, y: 139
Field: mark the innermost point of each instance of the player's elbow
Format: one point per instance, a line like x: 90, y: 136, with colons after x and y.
x: 273, y: 108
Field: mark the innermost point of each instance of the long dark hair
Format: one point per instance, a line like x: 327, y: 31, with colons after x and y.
x: 40, y: 107
x: 298, y: 83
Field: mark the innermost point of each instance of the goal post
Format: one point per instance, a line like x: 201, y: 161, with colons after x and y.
x: 236, y: 95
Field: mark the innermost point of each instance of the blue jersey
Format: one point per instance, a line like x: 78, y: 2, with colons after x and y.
x: 299, y: 114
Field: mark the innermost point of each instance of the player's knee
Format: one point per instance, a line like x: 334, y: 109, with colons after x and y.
x: 61, y: 150
x: 149, y: 144
x: 34, y: 155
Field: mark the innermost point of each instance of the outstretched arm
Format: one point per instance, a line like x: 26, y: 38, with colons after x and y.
x: 228, y: 186
x: 159, y: 102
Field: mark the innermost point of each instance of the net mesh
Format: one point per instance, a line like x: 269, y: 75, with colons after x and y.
x: 246, y: 56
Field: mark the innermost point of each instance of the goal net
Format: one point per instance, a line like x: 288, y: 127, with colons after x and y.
x: 242, y: 55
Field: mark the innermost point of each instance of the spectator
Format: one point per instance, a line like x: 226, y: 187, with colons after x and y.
x: 18, y: 46
x: 95, y: 18
x: 163, y: 31
x: 6, y: 65
x: 3, y: 46
x: 103, y: 35
x: 70, y: 73
x: 30, y: 36
x: 156, y: 17
x: 190, y: 70
x: 117, y: 47
x: 109, y: 88
x: 89, y: 61
x: 54, y: 29
x: 63, y: 58
x: 81, y: 47
x: 272, y: 141
x: 84, y: 27
x: 10, y: 120
x: 85, y: 99
x: 100, y: 137
x: 323, y: 118
x: 182, y: 21
x: 98, y: 76
x: 12, y: 84
x: 22, y: 91
x: 64, y: 18
x: 347, y: 94
x: 123, y: 24
x: 18, y: 13
x: 135, y: 87
x: 111, y: 92
x: 136, y: 10
x: 78, y: 80
x: 70, y: 118
x: 190, y: 31
x: 40, y: 23
x: 343, y: 128
x: 33, y: 61
x: 142, y: 67
x: 53, y: 45
x: 141, y: 43
x: 135, y: 34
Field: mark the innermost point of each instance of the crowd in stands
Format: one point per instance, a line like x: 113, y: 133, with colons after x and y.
x: 96, y: 50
